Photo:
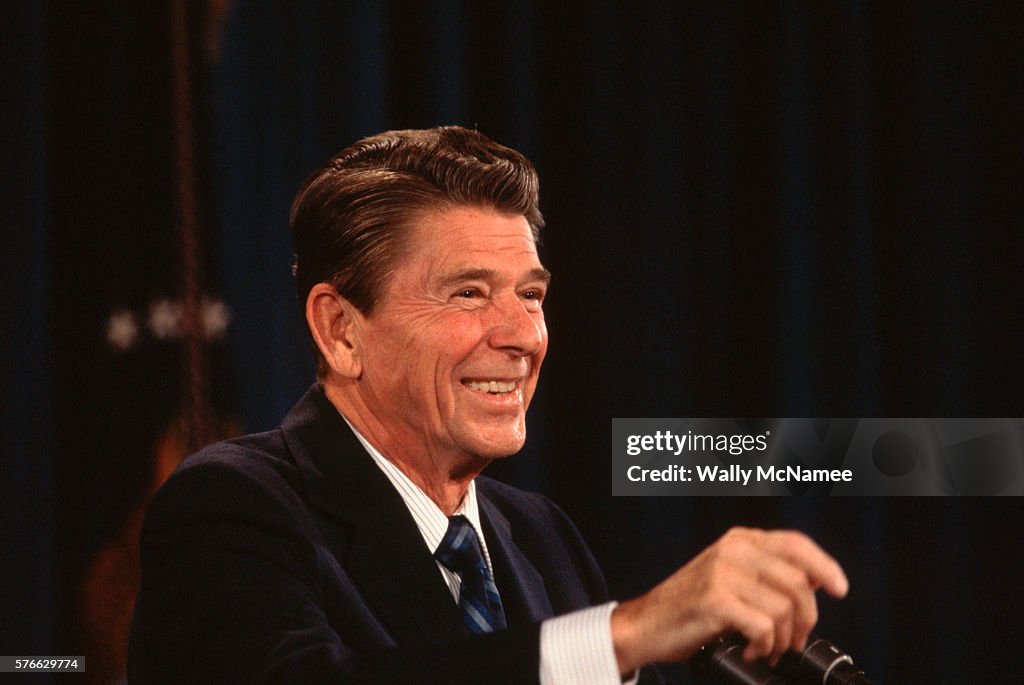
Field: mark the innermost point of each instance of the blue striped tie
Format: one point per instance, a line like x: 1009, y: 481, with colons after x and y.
x: 460, y: 553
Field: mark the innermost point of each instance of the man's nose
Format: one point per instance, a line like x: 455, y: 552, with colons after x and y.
x: 516, y: 329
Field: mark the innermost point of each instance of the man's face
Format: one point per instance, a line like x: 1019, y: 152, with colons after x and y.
x: 452, y: 351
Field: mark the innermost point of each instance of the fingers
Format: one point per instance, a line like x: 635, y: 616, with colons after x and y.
x: 775, y: 578
x: 770, y: 622
x: 770, y: 629
x: 796, y: 602
x: 756, y: 625
x: 822, y: 570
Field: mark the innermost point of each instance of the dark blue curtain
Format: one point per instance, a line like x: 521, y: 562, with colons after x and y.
x: 28, y: 569
x: 795, y: 209
x: 785, y: 209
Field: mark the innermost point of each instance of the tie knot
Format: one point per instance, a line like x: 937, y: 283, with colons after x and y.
x: 460, y: 549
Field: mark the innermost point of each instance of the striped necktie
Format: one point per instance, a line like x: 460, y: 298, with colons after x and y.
x: 460, y: 553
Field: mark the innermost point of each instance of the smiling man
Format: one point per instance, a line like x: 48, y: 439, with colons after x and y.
x: 358, y: 543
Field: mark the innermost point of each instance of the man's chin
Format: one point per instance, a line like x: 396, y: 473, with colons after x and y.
x: 495, y: 445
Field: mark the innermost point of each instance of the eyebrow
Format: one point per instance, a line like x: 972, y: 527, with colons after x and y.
x: 538, y: 274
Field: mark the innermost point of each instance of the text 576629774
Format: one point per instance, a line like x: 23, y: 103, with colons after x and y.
x: 42, y: 664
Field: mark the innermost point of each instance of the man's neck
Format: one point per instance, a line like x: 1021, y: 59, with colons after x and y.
x: 443, y: 478
x: 445, y: 491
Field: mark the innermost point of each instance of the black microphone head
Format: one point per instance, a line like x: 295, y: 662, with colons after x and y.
x: 721, y: 663
x: 829, y: 664
x: 846, y: 674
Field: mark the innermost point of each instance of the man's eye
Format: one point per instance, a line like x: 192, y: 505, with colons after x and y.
x: 468, y: 292
x: 535, y: 295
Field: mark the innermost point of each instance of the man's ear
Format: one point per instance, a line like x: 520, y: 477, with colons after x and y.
x: 334, y: 323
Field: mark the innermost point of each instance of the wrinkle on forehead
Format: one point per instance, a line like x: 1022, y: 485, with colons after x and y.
x: 482, y: 274
x: 447, y: 242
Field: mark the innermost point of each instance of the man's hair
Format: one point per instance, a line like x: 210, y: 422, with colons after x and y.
x: 351, y: 218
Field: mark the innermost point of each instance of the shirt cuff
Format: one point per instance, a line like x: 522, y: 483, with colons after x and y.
x: 577, y: 649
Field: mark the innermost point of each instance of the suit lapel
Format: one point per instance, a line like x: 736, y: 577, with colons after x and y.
x: 399, y: 578
x: 368, y: 527
x: 521, y: 586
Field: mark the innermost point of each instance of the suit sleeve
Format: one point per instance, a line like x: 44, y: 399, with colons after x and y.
x: 232, y: 591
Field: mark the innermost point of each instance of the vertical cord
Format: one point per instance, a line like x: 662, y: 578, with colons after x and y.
x: 195, y: 391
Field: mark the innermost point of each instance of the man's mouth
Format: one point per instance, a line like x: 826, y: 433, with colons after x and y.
x: 492, y: 387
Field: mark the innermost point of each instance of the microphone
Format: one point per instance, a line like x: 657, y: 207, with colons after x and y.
x: 721, y: 662
x: 819, y: 663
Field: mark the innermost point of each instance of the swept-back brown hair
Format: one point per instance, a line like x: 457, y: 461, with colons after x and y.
x: 350, y: 219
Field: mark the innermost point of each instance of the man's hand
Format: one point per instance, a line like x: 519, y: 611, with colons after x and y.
x: 759, y: 583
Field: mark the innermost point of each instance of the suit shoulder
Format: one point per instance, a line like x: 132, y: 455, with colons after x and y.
x: 231, y: 478
x: 252, y: 451
x: 510, y: 498
x: 529, y: 510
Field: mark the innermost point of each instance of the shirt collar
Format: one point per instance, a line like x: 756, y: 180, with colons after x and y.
x: 430, y: 520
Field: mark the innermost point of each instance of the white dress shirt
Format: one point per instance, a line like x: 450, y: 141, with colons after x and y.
x: 575, y: 649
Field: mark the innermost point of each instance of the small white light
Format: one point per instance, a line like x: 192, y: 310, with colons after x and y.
x: 122, y: 331
x: 165, y: 319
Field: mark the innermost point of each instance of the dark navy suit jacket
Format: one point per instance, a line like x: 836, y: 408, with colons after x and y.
x: 288, y: 557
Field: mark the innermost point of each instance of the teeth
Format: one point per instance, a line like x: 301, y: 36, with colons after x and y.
x: 492, y: 387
